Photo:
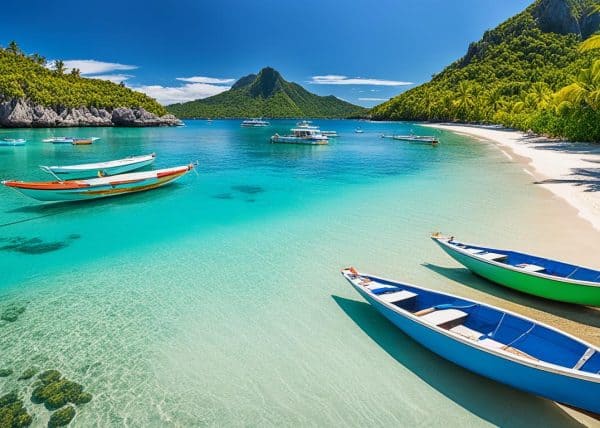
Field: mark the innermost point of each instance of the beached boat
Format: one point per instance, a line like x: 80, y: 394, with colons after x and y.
x: 70, y: 140
x: 12, y: 142
x: 495, y: 343
x: 75, y: 190
x: 99, y: 169
x: 308, y: 136
x: 255, y: 123
x: 527, y: 273
x: 419, y: 139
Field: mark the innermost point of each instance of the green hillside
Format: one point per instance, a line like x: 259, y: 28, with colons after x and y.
x: 266, y: 95
x: 25, y: 76
x: 527, y: 73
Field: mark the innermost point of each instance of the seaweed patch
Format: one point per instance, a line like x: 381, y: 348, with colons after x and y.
x: 12, y: 311
x: 21, y: 244
x: 224, y: 196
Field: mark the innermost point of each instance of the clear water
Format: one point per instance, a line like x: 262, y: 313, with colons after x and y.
x: 217, y: 300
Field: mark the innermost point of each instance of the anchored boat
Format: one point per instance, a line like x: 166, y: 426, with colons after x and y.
x: 527, y: 273
x: 12, y: 142
x: 75, y: 190
x: 70, y: 140
x: 308, y: 136
x: 100, y: 169
x: 255, y: 123
x: 495, y: 343
x: 419, y: 139
x: 307, y: 124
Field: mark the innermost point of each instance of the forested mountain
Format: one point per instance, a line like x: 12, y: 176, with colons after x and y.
x: 31, y: 94
x: 266, y: 94
x: 531, y: 72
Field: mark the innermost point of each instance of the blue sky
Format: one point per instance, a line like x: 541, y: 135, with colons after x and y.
x: 362, y: 51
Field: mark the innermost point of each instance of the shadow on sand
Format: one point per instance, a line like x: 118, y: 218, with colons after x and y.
x: 589, y: 178
x: 581, y: 314
x: 489, y: 400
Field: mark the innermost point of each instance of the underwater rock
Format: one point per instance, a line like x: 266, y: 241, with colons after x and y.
x: 249, y: 190
x: 28, y: 374
x: 223, y: 196
x: 61, y: 417
x: 11, y: 312
x: 12, y: 412
x: 23, y: 245
x: 55, y: 392
x: 5, y: 372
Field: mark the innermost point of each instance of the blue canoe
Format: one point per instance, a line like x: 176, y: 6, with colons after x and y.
x: 490, y: 341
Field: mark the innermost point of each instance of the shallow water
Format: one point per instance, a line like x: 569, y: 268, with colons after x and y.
x: 217, y: 300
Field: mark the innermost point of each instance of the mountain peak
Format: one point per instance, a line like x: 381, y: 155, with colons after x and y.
x: 267, y: 82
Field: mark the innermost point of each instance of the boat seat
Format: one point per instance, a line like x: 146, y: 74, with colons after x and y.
x: 372, y: 285
x: 530, y: 268
x: 492, y: 344
x: 472, y: 250
x: 398, y: 296
x: 584, y: 358
x: 444, y: 317
x: 492, y: 256
x: 467, y: 332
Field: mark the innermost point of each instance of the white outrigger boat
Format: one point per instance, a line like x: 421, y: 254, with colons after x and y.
x: 419, y: 139
x: 77, y: 190
x: 70, y: 140
x: 308, y: 136
x: 99, y: 169
x: 255, y: 123
x: 12, y: 142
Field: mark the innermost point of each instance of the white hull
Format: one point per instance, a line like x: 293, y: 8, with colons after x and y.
x: 100, y: 169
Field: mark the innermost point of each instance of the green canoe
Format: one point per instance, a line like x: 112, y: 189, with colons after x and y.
x: 530, y: 274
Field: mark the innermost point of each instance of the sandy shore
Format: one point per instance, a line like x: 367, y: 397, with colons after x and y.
x: 570, y: 171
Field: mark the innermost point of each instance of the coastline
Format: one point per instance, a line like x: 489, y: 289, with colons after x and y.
x: 568, y: 170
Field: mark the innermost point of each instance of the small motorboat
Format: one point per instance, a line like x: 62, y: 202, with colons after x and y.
x: 76, y: 190
x: 495, y: 343
x: 255, y: 123
x: 535, y: 275
x: 70, y: 140
x: 82, y: 141
x: 99, y: 169
x: 330, y: 134
x: 358, y: 130
x: 12, y: 142
x: 418, y: 139
x: 310, y: 136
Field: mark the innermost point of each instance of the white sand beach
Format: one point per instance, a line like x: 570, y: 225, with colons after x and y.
x: 569, y: 170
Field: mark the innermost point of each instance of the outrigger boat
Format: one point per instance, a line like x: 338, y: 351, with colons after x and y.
x: 13, y: 142
x: 495, y: 343
x: 99, y: 169
x: 75, y: 190
x: 255, y: 123
x: 308, y: 136
x: 422, y: 139
x: 535, y: 275
x: 70, y: 140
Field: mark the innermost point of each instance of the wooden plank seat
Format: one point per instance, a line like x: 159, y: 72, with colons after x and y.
x: 467, y: 332
x: 491, y: 343
x: 444, y: 318
x: 492, y: 256
x: 530, y: 268
x: 397, y: 296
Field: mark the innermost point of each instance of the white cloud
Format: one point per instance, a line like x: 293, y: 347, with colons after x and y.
x: 91, y: 66
x: 179, y: 94
x: 336, y: 79
x: 373, y: 99
x: 115, y: 78
x: 203, y: 79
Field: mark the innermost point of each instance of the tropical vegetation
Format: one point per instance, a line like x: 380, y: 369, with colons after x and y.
x: 523, y: 74
x: 266, y: 94
x: 30, y: 77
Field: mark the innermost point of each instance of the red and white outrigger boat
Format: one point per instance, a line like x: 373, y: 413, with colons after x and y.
x: 76, y: 190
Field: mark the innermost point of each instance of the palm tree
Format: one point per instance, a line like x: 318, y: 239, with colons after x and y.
x: 59, y: 66
x: 585, y: 90
x: 13, y: 48
x: 465, y: 97
x: 75, y: 72
x: 540, y: 95
x: 38, y: 59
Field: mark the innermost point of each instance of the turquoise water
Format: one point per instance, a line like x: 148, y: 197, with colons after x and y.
x: 217, y: 300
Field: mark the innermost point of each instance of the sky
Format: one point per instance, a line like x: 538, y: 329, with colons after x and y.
x: 362, y: 51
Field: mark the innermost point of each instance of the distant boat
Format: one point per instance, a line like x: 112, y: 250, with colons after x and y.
x: 330, y: 134
x: 76, y: 190
x: 255, y: 123
x: 12, y: 142
x: 308, y: 136
x: 535, y: 275
x: 358, y: 130
x: 70, y: 140
x: 495, y: 343
x: 99, y: 169
x: 419, y: 139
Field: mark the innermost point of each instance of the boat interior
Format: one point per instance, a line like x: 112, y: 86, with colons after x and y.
x: 529, y: 263
x: 486, y: 326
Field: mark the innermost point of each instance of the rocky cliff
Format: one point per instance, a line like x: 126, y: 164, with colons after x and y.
x: 18, y: 113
